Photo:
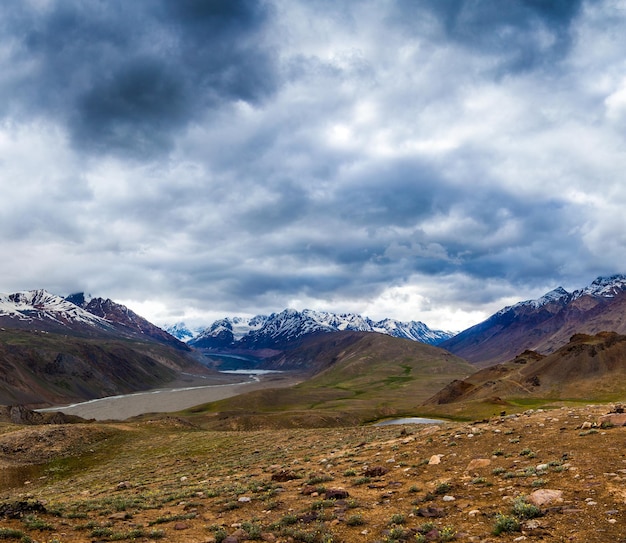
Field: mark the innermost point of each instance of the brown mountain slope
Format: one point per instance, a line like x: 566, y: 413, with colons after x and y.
x: 544, y: 325
x: 39, y: 368
x: 589, y: 368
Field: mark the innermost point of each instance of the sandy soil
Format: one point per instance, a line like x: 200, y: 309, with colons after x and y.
x: 186, y: 392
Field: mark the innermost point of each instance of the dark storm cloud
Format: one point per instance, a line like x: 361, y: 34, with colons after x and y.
x: 399, y: 193
x: 241, y: 156
x: 123, y: 76
x: 520, y: 34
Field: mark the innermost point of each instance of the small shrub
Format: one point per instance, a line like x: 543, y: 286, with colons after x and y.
x: 397, y: 518
x: 355, y: 520
x: 505, y: 524
x: 317, y: 479
x: 362, y: 480
x: 322, y: 504
x: 288, y: 520
x: 219, y: 533
x: 32, y: 522
x: 397, y: 533
x: 524, y: 510
x: 447, y: 533
x: 9, y: 533
x: 443, y: 488
x: 349, y: 473
x: 253, y: 530
x: 101, y: 532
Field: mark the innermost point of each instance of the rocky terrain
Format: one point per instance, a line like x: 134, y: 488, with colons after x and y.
x: 545, y: 475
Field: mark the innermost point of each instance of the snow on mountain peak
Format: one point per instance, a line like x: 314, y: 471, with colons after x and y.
x: 605, y: 287
x: 37, y: 304
x: 291, y: 324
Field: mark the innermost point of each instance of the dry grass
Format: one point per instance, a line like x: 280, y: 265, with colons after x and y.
x: 165, y: 481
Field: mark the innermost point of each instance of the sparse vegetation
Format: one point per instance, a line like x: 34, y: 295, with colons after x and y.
x: 179, y: 483
x: 505, y: 524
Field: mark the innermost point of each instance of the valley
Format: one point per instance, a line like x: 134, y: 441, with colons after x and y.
x: 163, y: 441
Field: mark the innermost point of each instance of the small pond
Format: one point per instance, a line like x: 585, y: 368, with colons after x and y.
x: 409, y: 420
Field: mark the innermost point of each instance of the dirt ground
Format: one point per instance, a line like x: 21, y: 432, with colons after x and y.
x: 553, y: 475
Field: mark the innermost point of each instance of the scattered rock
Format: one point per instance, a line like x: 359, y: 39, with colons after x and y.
x: 284, y: 475
x: 435, y: 459
x: 375, y: 471
x: 20, y: 508
x: 612, y: 419
x: 545, y: 496
x: 181, y: 526
x: 478, y: 463
x: 430, y: 512
x: 336, y: 494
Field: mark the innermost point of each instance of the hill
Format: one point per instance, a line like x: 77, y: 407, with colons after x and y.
x: 356, y: 376
x: 588, y: 368
x: 545, y: 324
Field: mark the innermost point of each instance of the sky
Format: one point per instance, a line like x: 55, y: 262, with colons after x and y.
x: 429, y: 160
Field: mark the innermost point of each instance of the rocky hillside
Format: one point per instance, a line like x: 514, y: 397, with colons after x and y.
x: 550, y: 476
x: 590, y: 368
x: 545, y: 324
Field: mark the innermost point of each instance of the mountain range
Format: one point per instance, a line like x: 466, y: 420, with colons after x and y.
x: 545, y: 324
x: 57, y: 349
x: 279, y: 330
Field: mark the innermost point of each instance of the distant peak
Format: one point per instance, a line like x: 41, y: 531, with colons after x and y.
x: 605, y: 286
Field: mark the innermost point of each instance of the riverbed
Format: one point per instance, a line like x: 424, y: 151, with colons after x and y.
x: 176, y: 398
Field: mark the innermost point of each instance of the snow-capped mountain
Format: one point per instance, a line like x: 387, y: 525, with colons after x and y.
x: 604, y: 287
x: 40, y: 305
x: 77, y: 314
x: 278, y: 329
x: 544, y: 324
x: 181, y: 331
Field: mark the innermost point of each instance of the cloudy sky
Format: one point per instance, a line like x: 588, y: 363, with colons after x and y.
x: 419, y: 159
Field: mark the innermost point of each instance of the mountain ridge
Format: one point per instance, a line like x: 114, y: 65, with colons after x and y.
x: 544, y: 324
x: 278, y: 329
